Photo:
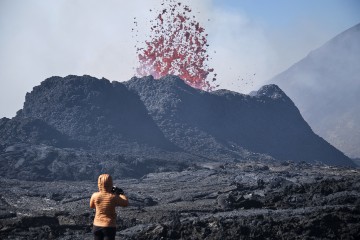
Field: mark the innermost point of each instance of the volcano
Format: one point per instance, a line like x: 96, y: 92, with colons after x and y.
x: 84, y: 124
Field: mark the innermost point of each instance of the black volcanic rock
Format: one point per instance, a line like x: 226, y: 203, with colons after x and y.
x: 245, y: 200
x: 181, y: 185
x: 226, y: 124
x: 100, y: 114
x: 32, y: 131
x: 77, y: 127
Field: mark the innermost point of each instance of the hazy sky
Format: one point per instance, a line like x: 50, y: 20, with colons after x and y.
x: 42, y: 38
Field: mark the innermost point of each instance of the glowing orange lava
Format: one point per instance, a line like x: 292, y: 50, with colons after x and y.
x: 178, y: 46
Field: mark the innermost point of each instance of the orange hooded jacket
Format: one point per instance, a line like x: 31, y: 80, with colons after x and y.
x: 105, y: 202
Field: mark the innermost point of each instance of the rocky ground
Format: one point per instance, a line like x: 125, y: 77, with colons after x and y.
x: 244, y: 200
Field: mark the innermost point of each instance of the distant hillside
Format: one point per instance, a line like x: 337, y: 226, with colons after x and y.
x: 325, y: 86
x: 77, y: 127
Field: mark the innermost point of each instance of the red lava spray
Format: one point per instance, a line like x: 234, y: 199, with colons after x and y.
x: 178, y: 46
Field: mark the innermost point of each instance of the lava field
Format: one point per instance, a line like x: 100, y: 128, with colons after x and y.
x: 243, y: 200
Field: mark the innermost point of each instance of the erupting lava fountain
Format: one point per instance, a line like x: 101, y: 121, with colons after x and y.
x: 178, y: 46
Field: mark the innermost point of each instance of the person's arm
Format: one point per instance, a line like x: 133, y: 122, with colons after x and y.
x: 123, y: 201
x: 92, y: 201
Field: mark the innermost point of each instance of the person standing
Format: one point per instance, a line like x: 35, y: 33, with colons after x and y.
x: 104, y: 201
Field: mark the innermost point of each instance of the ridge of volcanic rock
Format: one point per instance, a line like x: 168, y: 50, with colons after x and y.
x: 232, y: 125
x: 102, y: 114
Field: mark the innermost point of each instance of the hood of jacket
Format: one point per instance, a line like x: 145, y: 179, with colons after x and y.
x: 105, y: 183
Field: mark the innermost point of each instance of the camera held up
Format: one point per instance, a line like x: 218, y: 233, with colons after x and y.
x: 117, y: 190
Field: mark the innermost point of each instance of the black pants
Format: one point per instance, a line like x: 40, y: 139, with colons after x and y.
x: 104, y: 233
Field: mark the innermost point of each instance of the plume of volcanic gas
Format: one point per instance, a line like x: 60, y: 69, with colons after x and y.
x: 177, y: 45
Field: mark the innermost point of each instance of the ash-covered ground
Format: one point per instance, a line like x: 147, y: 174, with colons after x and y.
x: 244, y: 200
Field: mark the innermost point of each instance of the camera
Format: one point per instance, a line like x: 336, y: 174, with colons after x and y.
x: 117, y: 190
